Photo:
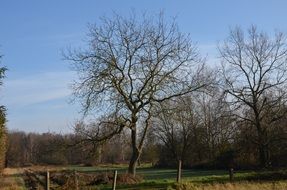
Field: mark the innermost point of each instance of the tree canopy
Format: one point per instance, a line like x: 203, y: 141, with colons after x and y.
x: 132, y: 64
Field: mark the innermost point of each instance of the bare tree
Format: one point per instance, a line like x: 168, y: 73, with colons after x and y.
x: 254, y: 70
x: 215, y: 119
x: 175, y: 126
x: 199, y: 124
x: 132, y: 64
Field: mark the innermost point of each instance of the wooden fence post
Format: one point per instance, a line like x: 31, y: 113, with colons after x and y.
x: 115, y: 179
x: 76, y: 180
x: 231, y: 172
x: 48, y: 180
x: 178, y: 171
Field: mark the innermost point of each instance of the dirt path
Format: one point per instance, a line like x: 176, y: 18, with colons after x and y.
x: 13, y: 171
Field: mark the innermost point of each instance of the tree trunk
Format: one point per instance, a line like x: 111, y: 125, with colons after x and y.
x: 135, y: 150
x: 263, y: 150
x: 133, y: 163
x: 135, y: 154
x: 263, y: 156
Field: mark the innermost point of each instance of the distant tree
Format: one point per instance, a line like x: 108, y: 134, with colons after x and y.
x: 216, y: 121
x: 254, y: 70
x: 3, y: 137
x: 3, y: 132
x: 99, y: 141
x: 150, y: 153
x: 175, y: 127
x: 16, y: 150
x: 131, y: 65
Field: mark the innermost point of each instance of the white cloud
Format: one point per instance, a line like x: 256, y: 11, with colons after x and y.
x: 37, y: 88
x: 39, y: 102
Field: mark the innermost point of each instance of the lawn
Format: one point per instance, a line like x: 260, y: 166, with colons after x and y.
x: 166, y: 178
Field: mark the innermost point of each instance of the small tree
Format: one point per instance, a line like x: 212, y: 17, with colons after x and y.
x: 175, y: 126
x: 130, y: 66
x: 216, y: 121
x: 254, y: 70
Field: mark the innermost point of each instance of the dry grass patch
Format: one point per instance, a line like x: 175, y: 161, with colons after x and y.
x: 67, y: 178
x: 11, y: 183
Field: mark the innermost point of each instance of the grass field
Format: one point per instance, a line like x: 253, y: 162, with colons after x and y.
x: 200, y: 179
x: 165, y: 179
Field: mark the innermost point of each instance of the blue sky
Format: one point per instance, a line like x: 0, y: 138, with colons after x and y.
x: 33, y: 34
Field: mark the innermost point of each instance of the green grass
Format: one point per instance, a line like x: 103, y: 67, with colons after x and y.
x: 164, y: 178
x: 152, y: 174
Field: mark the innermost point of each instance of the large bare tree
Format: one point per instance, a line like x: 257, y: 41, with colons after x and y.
x: 130, y: 65
x: 254, y: 68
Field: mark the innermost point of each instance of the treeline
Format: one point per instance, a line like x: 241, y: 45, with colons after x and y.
x: 201, y: 131
x: 3, y: 130
x: 204, y: 132
x: 3, y: 137
x: 26, y: 149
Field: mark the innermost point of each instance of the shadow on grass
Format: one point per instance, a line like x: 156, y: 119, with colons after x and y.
x: 170, y: 174
x: 162, y: 178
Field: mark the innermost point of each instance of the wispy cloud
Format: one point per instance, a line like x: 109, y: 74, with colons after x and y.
x: 37, y: 88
